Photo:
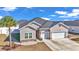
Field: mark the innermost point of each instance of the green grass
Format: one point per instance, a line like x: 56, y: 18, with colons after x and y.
x: 16, y: 36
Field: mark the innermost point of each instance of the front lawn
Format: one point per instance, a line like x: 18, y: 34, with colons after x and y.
x: 3, y: 37
x: 37, y: 47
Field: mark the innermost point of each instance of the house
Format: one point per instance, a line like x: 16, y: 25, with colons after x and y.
x: 73, y: 26
x: 39, y: 28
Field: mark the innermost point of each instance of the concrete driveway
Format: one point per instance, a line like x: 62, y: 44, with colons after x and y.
x: 64, y: 44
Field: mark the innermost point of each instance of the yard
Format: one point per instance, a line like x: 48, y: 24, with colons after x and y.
x: 2, y: 40
x: 37, y: 47
x: 76, y: 40
x: 74, y: 37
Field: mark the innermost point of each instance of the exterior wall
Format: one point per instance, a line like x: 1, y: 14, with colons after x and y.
x: 59, y: 29
x: 24, y: 30
x: 37, y: 34
x: 45, y: 34
x: 41, y: 34
x: 31, y: 25
x: 53, y: 29
x: 27, y: 30
x: 74, y: 29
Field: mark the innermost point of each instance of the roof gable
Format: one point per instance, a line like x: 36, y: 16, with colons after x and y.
x: 30, y: 28
x: 59, y: 26
x: 36, y: 21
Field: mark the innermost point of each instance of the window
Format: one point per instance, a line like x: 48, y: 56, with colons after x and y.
x: 28, y: 35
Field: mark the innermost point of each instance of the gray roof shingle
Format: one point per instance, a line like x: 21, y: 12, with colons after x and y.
x: 71, y: 23
x: 22, y: 23
x: 47, y: 24
x: 38, y: 20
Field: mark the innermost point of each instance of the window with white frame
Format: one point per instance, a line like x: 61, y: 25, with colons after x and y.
x: 28, y: 35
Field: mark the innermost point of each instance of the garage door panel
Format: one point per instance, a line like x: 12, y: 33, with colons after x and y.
x: 58, y: 35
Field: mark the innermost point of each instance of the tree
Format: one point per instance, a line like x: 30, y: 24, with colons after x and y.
x: 9, y: 22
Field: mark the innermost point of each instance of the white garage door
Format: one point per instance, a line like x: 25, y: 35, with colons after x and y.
x: 58, y: 35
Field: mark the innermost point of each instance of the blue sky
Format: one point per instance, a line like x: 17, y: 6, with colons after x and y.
x: 48, y: 13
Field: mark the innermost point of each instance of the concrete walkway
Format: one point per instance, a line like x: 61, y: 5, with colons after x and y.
x: 62, y: 44
x: 26, y: 43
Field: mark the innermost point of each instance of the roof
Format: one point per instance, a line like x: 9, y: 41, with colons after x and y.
x: 71, y: 23
x: 38, y: 20
x: 22, y: 23
x: 49, y: 24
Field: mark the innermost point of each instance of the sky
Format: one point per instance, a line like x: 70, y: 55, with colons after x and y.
x: 48, y: 13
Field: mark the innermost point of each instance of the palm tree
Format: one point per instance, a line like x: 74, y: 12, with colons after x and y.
x: 8, y: 21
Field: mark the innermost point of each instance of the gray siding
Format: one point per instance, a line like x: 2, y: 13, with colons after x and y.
x: 27, y: 30
x: 31, y: 25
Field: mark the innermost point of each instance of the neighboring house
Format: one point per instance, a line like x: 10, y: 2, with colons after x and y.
x: 39, y: 28
x: 73, y: 26
x: 4, y: 30
x: 14, y: 29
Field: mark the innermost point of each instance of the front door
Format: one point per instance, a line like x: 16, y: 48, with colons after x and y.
x: 46, y: 35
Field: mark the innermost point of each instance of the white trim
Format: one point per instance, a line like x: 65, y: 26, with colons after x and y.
x: 30, y: 23
x: 37, y: 23
x: 27, y: 35
x: 62, y: 24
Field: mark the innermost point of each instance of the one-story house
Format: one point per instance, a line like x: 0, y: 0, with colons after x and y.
x: 39, y: 28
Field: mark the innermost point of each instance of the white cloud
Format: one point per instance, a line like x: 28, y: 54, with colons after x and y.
x: 29, y: 7
x: 53, y: 15
x: 41, y: 10
x: 73, y: 14
x: 61, y: 12
x: 45, y: 18
x: 1, y: 17
x: 8, y: 8
x: 75, y: 10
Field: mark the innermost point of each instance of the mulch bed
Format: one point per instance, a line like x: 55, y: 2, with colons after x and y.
x: 7, y: 47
